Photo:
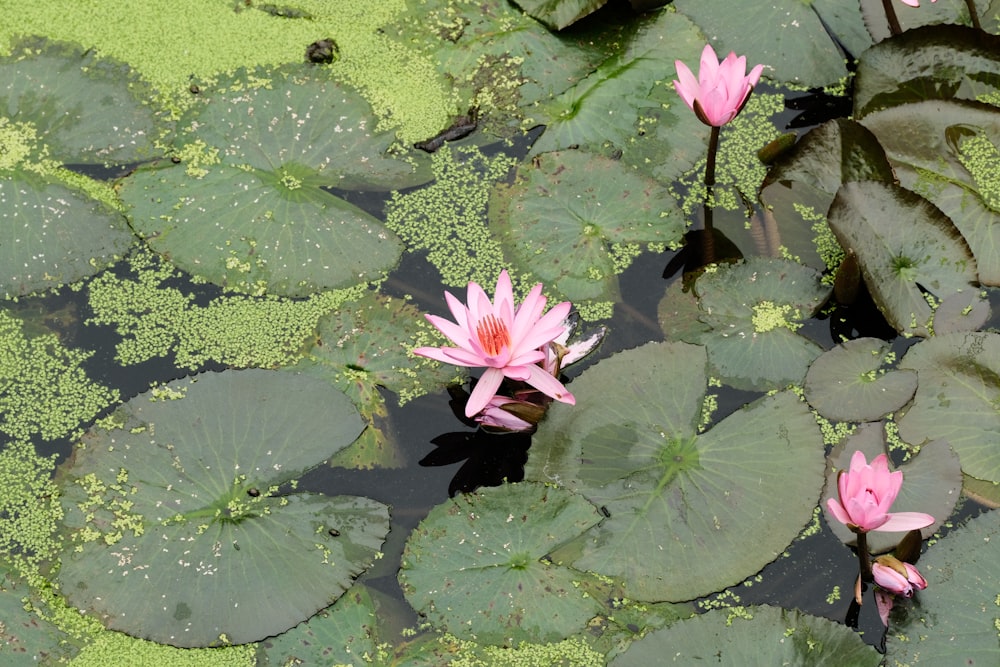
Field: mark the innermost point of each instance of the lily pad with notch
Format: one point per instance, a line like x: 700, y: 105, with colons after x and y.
x: 250, y: 206
x: 478, y: 565
x: 676, y: 494
x: 751, y: 312
x: 569, y: 218
x: 849, y: 383
x: 90, y: 109
x: 772, y: 635
x: 956, y: 399
x: 179, y: 528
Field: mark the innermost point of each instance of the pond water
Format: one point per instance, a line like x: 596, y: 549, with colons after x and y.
x: 201, y: 412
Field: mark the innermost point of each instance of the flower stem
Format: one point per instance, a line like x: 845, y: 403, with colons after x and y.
x: 890, y: 16
x: 864, y: 560
x: 973, y: 14
x: 708, y: 240
x: 713, y: 148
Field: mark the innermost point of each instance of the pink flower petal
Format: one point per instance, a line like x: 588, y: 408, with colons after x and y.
x: 484, y: 390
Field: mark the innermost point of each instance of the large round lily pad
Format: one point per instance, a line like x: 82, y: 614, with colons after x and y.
x: 771, y: 635
x: 176, y: 528
x: 957, y: 395
x: 478, y: 565
x: 247, y: 208
x: 953, y: 622
x: 570, y: 216
x: 675, y: 495
x: 87, y: 107
x: 848, y: 382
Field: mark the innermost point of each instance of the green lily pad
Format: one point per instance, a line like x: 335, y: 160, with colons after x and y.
x: 576, y: 220
x: 799, y: 188
x: 906, y: 247
x: 947, y: 150
x: 26, y: 640
x: 87, y: 107
x: 176, y: 529
x: 751, y: 312
x: 931, y: 62
x: 676, y: 495
x: 956, y: 399
x: 605, y: 107
x: 343, y: 634
x: 953, y: 622
x: 931, y: 483
x: 933, y: 15
x: 787, y: 36
x: 53, y: 234
x: 772, y: 635
x: 848, y: 382
x: 557, y: 14
x: 982, y: 491
x: 249, y: 210
x: 364, y: 348
x: 965, y: 311
x: 477, y: 565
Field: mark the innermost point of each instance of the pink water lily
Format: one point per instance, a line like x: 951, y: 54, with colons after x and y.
x: 505, y: 340
x: 865, y: 494
x: 897, y: 577
x: 721, y: 89
x: 913, y: 3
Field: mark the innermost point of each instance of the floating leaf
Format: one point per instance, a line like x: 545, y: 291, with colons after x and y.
x: 931, y: 62
x: 26, y: 640
x: 956, y: 399
x: 343, y: 634
x: 953, y: 622
x: 248, y: 210
x: 932, y: 482
x: 51, y: 234
x: 966, y: 311
x: 773, y: 636
x: 947, y: 151
x: 576, y: 220
x: 800, y: 187
x: 751, y: 311
x: 848, y: 382
x: 364, y: 347
x: 177, y: 530
x: 605, y: 107
x: 557, y: 14
x: 906, y: 247
x: 675, y: 496
x: 787, y: 36
x: 477, y: 565
x: 85, y: 106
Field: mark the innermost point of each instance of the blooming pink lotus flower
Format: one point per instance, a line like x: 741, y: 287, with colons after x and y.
x: 721, y: 89
x: 897, y: 577
x: 866, y: 493
x: 914, y: 3
x: 505, y: 340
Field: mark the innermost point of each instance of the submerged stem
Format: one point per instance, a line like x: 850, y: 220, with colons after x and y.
x: 708, y: 241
